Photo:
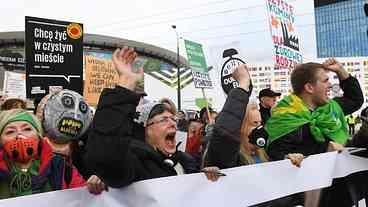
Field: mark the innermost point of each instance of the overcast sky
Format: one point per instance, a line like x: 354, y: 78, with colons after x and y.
x: 209, y: 22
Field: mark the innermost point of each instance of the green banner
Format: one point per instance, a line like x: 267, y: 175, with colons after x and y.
x: 197, y: 62
x: 196, y: 57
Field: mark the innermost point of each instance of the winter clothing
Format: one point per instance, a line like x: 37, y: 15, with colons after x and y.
x: 291, y: 113
x: 116, y: 149
x: 14, y: 115
x: 302, y: 140
x: 360, y: 139
x: 145, y: 111
x: 265, y: 113
x: 224, y: 146
x: 193, y: 144
x: 49, y: 172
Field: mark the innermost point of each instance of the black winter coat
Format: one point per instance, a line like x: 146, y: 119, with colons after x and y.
x: 116, y: 150
x: 224, y: 145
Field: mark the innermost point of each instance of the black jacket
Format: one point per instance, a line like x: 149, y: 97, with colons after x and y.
x: 360, y: 139
x: 224, y: 145
x: 265, y: 113
x: 116, y: 150
x: 343, y: 191
x: 302, y: 141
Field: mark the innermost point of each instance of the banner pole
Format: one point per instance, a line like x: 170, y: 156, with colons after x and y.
x: 206, y: 102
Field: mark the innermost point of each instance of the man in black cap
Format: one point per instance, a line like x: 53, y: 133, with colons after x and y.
x: 267, y: 98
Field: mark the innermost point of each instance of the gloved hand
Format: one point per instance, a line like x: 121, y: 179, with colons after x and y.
x: 258, y: 137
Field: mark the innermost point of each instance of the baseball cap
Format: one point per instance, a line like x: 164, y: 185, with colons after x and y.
x: 268, y: 92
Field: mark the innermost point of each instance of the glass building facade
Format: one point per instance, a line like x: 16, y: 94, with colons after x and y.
x: 341, y: 29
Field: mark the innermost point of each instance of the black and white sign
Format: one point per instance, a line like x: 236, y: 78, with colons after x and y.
x: 54, y: 54
x: 227, y: 80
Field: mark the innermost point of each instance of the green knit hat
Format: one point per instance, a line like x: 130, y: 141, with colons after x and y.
x: 10, y: 116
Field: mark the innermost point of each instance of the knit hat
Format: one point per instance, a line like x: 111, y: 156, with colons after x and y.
x: 10, y: 116
x: 144, y: 112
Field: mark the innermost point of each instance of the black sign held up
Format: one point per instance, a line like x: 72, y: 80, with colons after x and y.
x: 227, y: 81
x: 54, y: 54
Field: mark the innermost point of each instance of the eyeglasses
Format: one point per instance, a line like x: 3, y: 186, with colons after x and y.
x: 164, y: 120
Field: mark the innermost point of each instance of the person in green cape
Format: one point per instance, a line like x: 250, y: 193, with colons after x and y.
x: 307, y: 121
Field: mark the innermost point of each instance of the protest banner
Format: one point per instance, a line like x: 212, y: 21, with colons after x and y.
x: 197, y: 62
x: 14, y: 84
x: 242, y: 186
x: 227, y: 57
x: 285, y: 40
x: 54, y: 55
x: 100, y: 74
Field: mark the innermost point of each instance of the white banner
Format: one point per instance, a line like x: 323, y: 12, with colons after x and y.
x: 243, y: 186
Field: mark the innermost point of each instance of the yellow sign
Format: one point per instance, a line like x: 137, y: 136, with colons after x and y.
x: 100, y: 74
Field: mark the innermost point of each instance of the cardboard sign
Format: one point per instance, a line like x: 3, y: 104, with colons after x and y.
x: 100, y: 74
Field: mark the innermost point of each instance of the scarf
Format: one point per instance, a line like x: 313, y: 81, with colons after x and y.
x: 21, y: 181
x: 291, y: 112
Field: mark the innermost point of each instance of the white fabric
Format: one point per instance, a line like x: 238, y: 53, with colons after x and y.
x: 242, y: 186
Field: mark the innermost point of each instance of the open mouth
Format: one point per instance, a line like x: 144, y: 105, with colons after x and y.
x: 170, y: 140
x: 70, y: 127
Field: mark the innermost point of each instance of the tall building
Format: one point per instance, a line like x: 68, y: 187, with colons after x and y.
x: 341, y: 27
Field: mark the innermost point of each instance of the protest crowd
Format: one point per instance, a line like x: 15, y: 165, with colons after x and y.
x: 65, y: 144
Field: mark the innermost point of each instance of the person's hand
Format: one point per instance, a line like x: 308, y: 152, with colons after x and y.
x: 333, y: 65
x: 123, y: 60
x: 95, y: 185
x: 333, y: 146
x: 211, y: 120
x: 242, y: 75
x: 295, y: 158
x: 212, y: 173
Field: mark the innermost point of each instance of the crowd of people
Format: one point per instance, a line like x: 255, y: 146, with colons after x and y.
x: 66, y: 145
